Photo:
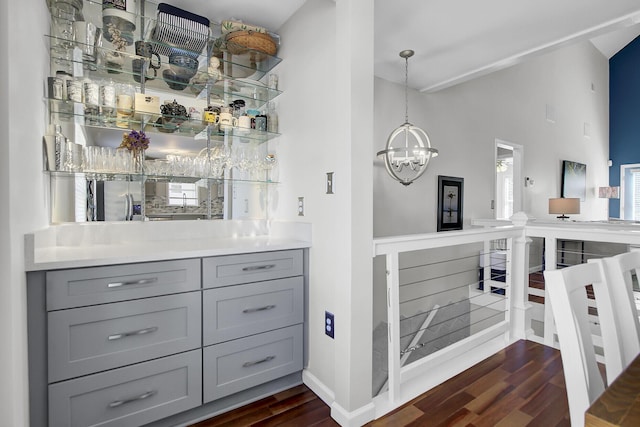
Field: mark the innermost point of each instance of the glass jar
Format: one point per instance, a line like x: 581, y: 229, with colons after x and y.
x: 74, y: 89
x: 107, y: 102
x: 64, y: 77
x: 91, y: 101
x: 63, y: 14
x: 124, y: 104
x: 272, y: 117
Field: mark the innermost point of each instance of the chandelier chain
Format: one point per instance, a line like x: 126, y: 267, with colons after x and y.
x: 406, y: 90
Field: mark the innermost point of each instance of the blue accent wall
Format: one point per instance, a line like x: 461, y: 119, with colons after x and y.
x: 624, y: 114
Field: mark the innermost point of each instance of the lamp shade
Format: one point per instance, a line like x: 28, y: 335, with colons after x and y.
x: 564, y: 205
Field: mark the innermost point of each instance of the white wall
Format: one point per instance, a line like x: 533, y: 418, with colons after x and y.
x: 22, y: 117
x: 464, y: 121
x: 307, y: 78
x: 326, y: 115
x: 6, y: 313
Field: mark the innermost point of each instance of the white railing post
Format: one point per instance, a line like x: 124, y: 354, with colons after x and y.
x: 393, y: 323
x: 550, y: 263
x: 486, y: 267
x: 520, y: 321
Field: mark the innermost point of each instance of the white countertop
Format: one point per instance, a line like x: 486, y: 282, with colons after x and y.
x: 96, y: 244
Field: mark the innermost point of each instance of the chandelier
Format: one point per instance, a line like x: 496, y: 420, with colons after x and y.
x: 408, y: 149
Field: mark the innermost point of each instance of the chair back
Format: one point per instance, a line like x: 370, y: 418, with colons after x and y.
x: 618, y: 270
x: 568, y: 298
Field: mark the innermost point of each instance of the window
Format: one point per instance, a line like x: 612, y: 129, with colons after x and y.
x: 183, y: 194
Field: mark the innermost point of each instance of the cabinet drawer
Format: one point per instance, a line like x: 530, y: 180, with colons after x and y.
x: 237, y: 365
x: 129, y: 396
x: 237, y: 311
x: 98, y: 285
x: 91, y: 339
x: 235, y: 269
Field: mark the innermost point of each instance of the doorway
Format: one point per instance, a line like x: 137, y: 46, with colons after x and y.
x: 508, y: 179
x: 630, y: 192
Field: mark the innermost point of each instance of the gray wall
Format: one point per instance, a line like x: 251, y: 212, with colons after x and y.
x: 464, y: 121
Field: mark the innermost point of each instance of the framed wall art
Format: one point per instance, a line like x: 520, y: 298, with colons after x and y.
x: 574, y: 180
x: 450, y: 197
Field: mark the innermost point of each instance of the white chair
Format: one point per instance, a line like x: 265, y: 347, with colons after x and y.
x: 618, y: 270
x: 568, y: 299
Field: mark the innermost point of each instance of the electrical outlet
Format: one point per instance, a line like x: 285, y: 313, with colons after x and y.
x: 329, y: 324
x: 300, y: 206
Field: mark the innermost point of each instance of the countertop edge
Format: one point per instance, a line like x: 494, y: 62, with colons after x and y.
x: 109, y: 243
x: 64, y: 258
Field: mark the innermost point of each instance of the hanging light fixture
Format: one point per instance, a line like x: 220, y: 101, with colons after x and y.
x: 408, y: 148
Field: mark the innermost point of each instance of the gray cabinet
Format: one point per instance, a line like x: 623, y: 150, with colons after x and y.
x: 235, y: 269
x: 92, y: 339
x: 99, y: 285
x: 163, y: 342
x: 252, y: 320
x: 243, y: 363
x: 129, y: 396
x: 237, y: 311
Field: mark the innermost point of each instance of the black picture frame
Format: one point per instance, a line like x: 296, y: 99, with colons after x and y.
x: 574, y: 180
x: 450, y: 203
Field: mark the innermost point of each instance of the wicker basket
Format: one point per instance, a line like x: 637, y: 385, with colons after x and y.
x: 238, y: 42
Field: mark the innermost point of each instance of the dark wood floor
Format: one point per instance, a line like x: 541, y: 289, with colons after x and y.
x: 522, y: 385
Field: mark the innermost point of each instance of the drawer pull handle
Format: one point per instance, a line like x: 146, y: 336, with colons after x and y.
x: 257, y: 362
x: 133, y: 282
x: 143, y: 396
x: 133, y: 333
x: 259, y: 267
x: 253, y: 310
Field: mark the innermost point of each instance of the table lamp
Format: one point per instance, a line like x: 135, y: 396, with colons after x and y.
x: 563, y: 206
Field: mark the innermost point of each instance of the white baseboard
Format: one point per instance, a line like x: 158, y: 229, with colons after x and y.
x: 343, y: 417
x: 318, y: 387
x: 440, y: 370
x: 356, y: 418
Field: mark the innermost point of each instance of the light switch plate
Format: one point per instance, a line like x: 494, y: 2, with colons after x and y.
x: 329, y: 182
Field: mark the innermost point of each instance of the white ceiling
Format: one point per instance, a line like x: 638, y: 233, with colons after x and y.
x: 458, y: 40
x: 270, y: 14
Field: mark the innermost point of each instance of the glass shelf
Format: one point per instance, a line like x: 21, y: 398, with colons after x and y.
x: 220, y: 87
x: 140, y: 178
x: 174, y: 137
x: 237, y: 61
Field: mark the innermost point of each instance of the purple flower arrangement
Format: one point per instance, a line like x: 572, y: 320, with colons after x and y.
x: 135, y: 141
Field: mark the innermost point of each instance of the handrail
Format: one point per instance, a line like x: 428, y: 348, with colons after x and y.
x: 628, y: 235
x: 414, y: 242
